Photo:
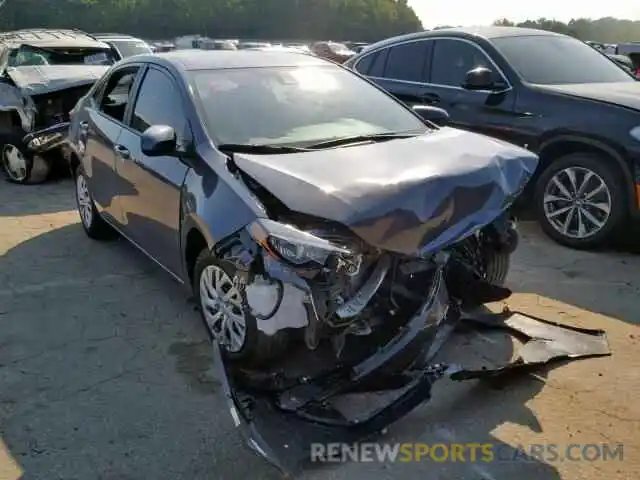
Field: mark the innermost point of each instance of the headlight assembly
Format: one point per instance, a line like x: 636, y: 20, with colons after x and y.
x: 296, y: 246
x: 635, y: 132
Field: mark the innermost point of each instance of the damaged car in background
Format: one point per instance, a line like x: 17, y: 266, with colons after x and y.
x: 332, y: 237
x: 43, y: 73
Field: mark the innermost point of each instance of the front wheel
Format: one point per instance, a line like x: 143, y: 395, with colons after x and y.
x: 580, y: 200
x: 220, y: 294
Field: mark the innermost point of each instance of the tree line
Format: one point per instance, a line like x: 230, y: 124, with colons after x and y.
x: 365, y: 20
x: 605, y: 30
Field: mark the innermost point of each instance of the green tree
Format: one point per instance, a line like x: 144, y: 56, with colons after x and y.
x: 272, y: 19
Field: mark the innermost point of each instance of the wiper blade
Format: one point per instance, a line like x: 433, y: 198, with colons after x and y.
x: 376, y: 137
x: 259, y: 148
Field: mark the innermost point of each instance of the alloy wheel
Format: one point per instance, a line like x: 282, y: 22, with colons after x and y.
x: 85, y: 205
x: 223, y: 308
x: 15, y: 163
x: 577, y: 202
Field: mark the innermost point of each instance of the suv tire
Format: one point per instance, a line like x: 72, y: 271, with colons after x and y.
x: 586, y: 187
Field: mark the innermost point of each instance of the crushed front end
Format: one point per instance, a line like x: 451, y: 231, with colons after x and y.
x: 35, y: 106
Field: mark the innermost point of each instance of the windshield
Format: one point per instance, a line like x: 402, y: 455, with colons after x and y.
x: 128, y: 48
x: 27, y: 55
x: 556, y: 60
x: 295, y: 106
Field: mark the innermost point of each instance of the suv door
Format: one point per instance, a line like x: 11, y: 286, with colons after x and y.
x: 484, y: 111
x: 401, y: 70
x: 153, y: 212
x: 99, y: 128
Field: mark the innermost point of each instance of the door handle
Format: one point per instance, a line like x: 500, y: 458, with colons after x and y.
x: 122, y: 151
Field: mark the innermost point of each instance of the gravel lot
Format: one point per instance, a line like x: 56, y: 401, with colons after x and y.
x: 105, y: 371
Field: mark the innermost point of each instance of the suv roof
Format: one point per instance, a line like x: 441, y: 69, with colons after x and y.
x: 40, y: 37
x: 115, y: 36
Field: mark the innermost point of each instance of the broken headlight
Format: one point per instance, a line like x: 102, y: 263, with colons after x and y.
x: 295, y: 246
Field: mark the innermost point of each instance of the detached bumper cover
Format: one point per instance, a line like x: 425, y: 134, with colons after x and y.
x: 47, y: 138
x: 354, y: 403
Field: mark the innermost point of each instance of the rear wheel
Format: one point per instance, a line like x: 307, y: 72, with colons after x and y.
x: 93, y: 224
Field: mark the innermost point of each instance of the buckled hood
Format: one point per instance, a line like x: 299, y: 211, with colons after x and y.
x: 411, y: 196
x: 41, y: 79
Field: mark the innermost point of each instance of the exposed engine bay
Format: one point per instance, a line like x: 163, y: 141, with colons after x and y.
x: 352, y: 289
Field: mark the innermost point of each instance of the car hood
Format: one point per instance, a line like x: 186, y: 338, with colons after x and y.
x: 40, y: 79
x: 622, y: 94
x: 411, y: 196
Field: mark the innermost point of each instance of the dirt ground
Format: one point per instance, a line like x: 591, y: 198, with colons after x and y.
x: 106, y: 373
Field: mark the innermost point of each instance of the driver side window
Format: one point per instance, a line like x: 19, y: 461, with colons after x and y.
x: 117, y: 93
x: 452, y: 59
x: 158, y: 103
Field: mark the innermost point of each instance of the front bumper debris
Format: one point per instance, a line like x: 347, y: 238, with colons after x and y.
x: 351, y: 403
x: 47, y: 138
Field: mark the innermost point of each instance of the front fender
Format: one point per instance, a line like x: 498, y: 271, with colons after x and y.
x: 212, y: 206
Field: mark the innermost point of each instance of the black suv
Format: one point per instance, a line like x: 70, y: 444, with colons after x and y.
x: 550, y: 93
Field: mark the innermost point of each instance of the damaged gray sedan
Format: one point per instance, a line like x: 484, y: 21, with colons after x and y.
x: 332, y: 238
x: 43, y: 73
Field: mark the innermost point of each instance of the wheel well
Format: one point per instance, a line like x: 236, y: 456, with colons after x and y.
x: 9, y: 121
x: 562, y: 148
x: 195, y: 243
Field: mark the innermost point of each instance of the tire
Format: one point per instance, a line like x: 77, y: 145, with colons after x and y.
x: 93, y: 224
x: 256, y: 347
x: 18, y: 164
x: 602, y: 170
x: 497, y: 266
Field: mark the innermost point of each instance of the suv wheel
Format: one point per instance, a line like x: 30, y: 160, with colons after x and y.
x: 20, y: 165
x: 580, y: 200
x: 93, y: 224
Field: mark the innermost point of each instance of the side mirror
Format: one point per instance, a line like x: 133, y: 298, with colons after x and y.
x: 439, y: 116
x: 480, y: 78
x: 159, y: 140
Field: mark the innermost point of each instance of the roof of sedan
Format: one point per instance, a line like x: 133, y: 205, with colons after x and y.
x: 223, y: 59
x: 465, y: 32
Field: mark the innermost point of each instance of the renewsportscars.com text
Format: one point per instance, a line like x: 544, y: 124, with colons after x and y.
x: 466, y: 452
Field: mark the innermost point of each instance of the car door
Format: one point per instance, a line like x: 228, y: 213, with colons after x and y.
x: 400, y: 69
x: 484, y: 111
x: 152, y: 213
x: 99, y: 129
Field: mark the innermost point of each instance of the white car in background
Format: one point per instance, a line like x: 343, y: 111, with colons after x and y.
x: 124, y: 46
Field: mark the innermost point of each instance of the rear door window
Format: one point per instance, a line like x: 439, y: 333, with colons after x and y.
x: 377, y: 67
x: 365, y: 63
x: 407, y: 61
x: 117, y: 93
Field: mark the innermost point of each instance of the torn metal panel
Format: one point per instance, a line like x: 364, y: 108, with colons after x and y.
x: 42, y: 79
x: 12, y: 99
x: 410, y: 196
x: 547, y: 342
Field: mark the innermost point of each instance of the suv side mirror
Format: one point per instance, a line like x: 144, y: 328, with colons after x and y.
x: 159, y: 140
x: 480, y: 78
x: 439, y: 116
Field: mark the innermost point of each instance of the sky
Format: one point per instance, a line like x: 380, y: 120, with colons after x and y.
x: 484, y: 12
